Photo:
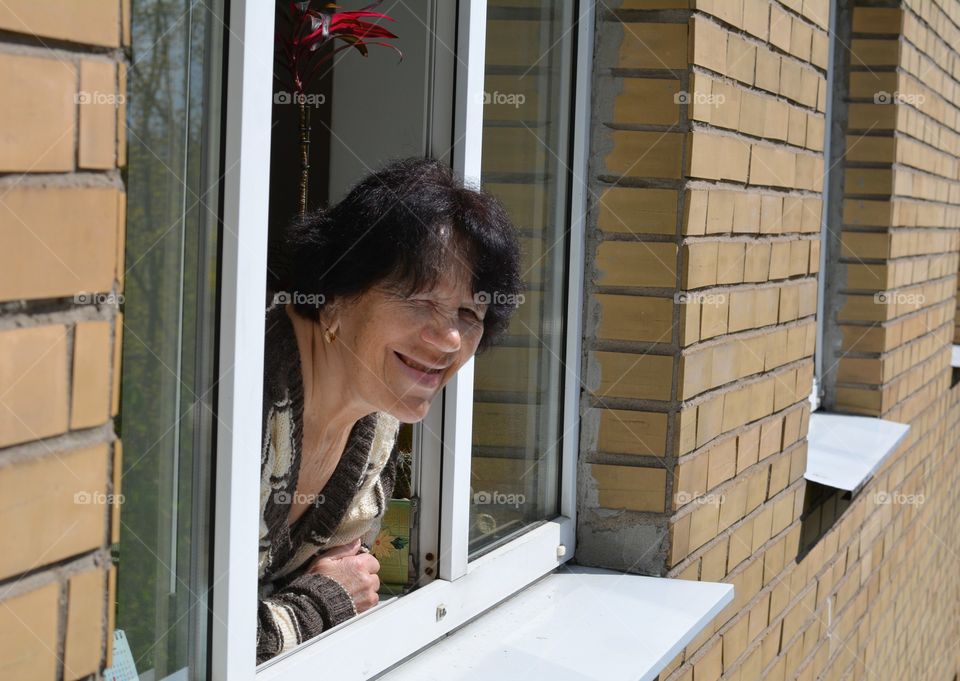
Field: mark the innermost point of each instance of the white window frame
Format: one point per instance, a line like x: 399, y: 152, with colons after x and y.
x: 462, y: 590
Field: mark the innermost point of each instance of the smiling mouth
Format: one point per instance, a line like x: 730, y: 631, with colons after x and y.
x: 419, y: 367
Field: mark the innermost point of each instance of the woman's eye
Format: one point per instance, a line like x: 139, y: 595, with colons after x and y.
x: 470, y: 315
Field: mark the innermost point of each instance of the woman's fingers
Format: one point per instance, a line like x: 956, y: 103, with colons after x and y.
x: 356, y: 572
x: 367, y: 595
x: 366, y: 600
x: 367, y: 563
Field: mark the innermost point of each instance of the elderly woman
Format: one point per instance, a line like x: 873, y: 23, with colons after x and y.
x: 383, y: 299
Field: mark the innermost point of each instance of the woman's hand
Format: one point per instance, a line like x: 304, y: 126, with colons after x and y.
x: 356, y: 572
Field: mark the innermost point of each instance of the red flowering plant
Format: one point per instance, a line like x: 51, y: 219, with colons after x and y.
x: 299, y: 53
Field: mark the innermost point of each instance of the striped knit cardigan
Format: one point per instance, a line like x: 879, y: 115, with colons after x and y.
x: 295, y: 606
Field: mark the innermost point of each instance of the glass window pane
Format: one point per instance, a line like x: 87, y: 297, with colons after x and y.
x: 518, y: 386
x: 166, y: 417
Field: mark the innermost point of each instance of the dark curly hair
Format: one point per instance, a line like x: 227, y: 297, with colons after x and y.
x: 388, y: 228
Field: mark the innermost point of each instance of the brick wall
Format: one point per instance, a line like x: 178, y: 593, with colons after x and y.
x: 61, y: 272
x: 707, y: 168
x: 892, y: 294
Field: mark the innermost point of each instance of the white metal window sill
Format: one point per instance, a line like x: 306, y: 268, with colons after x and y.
x: 955, y: 356
x: 844, y: 450
x: 577, y: 623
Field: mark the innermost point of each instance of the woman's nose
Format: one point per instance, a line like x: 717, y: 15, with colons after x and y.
x: 443, y: 334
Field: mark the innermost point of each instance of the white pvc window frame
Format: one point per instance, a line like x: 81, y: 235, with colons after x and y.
x: 462, y: 590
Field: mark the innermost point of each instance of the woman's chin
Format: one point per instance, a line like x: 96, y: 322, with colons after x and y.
x: 410, y: 411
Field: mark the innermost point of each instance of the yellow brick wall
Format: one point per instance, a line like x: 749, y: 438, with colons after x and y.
x: 61, y: 270
x: 708, y: 138
x: 707, y: 174
x: 901, y: 209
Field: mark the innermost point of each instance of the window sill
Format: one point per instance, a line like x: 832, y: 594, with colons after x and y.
x: 577, y: 623
x: 843, y: 450
x: 955, y: 356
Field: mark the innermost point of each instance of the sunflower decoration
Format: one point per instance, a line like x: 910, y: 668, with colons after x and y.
x: 386, y: 544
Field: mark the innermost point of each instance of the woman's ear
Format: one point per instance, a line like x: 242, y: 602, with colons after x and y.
x: 330, y: 317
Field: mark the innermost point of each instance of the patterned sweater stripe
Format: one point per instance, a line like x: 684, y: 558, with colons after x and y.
x: 295, y: 606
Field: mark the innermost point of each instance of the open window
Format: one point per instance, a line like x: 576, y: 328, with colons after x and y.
x: 489, y: 87
x: 859, y: 293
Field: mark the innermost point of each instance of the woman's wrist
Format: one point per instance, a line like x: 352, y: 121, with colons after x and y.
x: 340, y: 603
x: 353, y: 603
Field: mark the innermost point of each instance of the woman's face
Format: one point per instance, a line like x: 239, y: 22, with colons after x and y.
x: 401, y: 350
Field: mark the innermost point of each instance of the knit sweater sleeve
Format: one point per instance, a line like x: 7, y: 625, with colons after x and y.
x: 302, y: 609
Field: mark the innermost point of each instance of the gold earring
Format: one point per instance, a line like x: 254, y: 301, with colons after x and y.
x: 329, y: 336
